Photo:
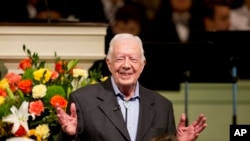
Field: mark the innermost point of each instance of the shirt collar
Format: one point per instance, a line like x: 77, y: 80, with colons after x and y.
x: 182, y: 18
x: 118, y: 92
x: 245, y: 11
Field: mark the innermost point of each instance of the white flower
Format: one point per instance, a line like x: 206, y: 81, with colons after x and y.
x: 19, y: 117
x: 80, y: 73
x: 39, y: 91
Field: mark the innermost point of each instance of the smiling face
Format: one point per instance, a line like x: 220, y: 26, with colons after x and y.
x: 126, y: 61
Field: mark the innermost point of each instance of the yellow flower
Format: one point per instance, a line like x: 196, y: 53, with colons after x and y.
x: 1, y: 100
x: 32, y: 132
x: 39, y: 91
x: 42, y: 75
x: 4, y: 84
x: 42, y: 131
x: 93, y: 82
x: 104, y: 78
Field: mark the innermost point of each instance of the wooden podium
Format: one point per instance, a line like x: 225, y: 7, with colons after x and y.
x: 83, y: 41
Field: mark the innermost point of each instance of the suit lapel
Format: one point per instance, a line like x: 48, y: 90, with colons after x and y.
x: 145, y: 116
x: 108, y: 102
x: 110, y: 107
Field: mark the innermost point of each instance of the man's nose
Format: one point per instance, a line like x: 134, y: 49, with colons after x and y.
x: 126, y: 63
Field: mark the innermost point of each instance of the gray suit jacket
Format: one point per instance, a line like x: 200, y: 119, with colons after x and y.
x: 99, y: 119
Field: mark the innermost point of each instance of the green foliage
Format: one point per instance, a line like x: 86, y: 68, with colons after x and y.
x: 36, y: 62
x: 28, y: 74
x: 52, y: 91
x: 5, y: 128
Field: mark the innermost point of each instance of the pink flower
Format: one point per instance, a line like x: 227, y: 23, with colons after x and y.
x: 13, y: 78
x: 36, y: 107
x: 54, y: 75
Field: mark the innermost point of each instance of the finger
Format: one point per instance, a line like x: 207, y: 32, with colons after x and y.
x: 64, y: 128
x: 60, y: 119
x: 202, y: 128
x: 73, y: 110
x: 182, y: 121
x: 201, y: 124
x: 201, y: 121
x: 59, y: 110
x: 61, y: 115
x: 198, y: 120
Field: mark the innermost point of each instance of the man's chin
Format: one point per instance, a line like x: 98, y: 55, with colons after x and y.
x: 126, y: 82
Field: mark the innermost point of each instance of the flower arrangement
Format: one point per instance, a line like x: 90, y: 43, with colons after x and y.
x: 28, y: 100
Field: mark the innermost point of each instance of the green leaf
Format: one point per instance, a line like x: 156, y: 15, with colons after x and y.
x: 71, y: 64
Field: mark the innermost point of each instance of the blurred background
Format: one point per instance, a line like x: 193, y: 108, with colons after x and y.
x: 197, y: 48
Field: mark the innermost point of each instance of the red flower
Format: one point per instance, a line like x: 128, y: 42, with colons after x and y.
x: 25, y: 64
x: 36, y: 107
x: 60, y: 65
x: 25, y: 86
x: 20, y: 132
x: 58, y: 100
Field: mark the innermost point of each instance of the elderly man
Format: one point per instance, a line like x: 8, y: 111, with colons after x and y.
x: 120, y: 109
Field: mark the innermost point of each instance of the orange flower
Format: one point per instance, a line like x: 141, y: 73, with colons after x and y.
x: 3, y: 93
x: 58, y: 100
x: 25, y: 64
x: 36, y: 107
x: 25, y: 86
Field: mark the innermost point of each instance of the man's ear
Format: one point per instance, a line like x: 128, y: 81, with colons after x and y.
x: 108, y: 63
x: 144, y: 63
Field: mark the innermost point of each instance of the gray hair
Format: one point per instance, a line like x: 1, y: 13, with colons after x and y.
x: 122, y: 36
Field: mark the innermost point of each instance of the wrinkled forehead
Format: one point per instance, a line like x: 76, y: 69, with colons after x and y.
x: 127, y: 48
x: 126, y: 45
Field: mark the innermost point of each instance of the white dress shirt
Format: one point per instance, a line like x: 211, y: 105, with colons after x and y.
x: 240, y: 19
